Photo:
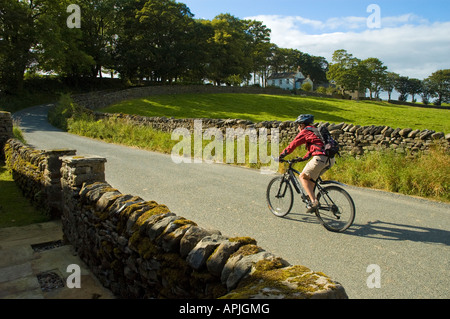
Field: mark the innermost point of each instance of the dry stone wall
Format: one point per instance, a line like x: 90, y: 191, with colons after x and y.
x: 354, y: 139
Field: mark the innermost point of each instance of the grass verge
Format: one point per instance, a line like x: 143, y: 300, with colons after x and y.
x: 15, y: 210
x: 425, y: 175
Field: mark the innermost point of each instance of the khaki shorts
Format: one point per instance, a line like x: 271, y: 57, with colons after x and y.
x: 317, y: 166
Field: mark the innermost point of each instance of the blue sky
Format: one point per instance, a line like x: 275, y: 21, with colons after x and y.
x: 434, y: 10
x: 412, y: 38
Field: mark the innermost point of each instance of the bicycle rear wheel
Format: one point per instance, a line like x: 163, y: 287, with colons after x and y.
x: 336, y: 211
x: 280, y: 196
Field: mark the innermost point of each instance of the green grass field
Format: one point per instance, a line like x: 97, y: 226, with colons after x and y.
x: 260, y: 107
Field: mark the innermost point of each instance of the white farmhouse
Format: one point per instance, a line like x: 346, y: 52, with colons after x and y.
x: 289, y: 80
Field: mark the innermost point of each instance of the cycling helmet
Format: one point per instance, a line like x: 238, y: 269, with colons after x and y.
x: 305, y: 119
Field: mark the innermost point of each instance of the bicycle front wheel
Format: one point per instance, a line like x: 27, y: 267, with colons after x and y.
x: 336, y: 211
x: 280, y: 196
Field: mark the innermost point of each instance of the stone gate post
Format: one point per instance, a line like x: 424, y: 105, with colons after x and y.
x: 6, y: 131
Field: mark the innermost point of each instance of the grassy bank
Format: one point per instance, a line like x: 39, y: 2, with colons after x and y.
x: 259, y: 107
x: 425, y: 175
x: 15, y: 210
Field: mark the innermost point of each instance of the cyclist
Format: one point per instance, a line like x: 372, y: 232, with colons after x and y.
x: 319, y: 163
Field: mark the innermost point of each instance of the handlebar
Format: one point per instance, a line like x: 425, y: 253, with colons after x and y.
x: 292, y: 161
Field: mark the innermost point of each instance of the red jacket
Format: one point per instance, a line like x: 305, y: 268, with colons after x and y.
x: 314, y: 145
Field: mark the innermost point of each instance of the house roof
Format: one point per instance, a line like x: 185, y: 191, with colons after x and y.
x: 286, y: 75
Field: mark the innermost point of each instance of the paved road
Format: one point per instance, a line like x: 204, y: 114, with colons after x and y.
x: 408, y: 238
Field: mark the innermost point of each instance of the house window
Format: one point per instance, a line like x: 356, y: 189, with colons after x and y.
x: 281, y: 82
x: 287, y: 81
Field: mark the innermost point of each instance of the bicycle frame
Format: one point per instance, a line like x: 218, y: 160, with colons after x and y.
x: 290, y: 176
x: 294, y: 180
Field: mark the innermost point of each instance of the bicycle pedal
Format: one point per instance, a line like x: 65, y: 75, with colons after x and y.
x: 311, y: 210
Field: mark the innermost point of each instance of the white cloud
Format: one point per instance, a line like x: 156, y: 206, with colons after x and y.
x: 407, y: 44
x: 351, y: 23
x: 408, y: 18
x: 313, y: 23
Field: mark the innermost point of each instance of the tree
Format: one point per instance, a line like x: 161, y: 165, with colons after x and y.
x: 61, y: 49
x: 348, y: 72
x: 17, y: 37
x: 259, y: 46
x: 34, y: 34
x: 307, y: 87
x: 439, y: 84
x: 315, y: 67
x: 166, y: 29
x: 229, y: 49
x: 376, y: 75
x: 427, y: 91
x: 160, y: 40
x: 130, y: 55
x: 263, y: 58
x: 402, y: 87
x: 198, y: 47
x: 414, y: 87
x: 99, y: 26
x: 388, y: 84
x: 284, y: 60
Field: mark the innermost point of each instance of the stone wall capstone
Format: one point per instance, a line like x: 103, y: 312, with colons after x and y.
x: 6, y: 131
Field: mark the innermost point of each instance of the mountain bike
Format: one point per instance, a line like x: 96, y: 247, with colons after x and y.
x: 336, y: 210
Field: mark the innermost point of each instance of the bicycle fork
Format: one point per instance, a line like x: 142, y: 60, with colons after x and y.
x: 282, y: 190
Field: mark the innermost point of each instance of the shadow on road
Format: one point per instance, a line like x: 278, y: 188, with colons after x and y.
x: 34, y: 119
x: 392, y: 231
x: 385, y: 231
x: 302, y: 218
